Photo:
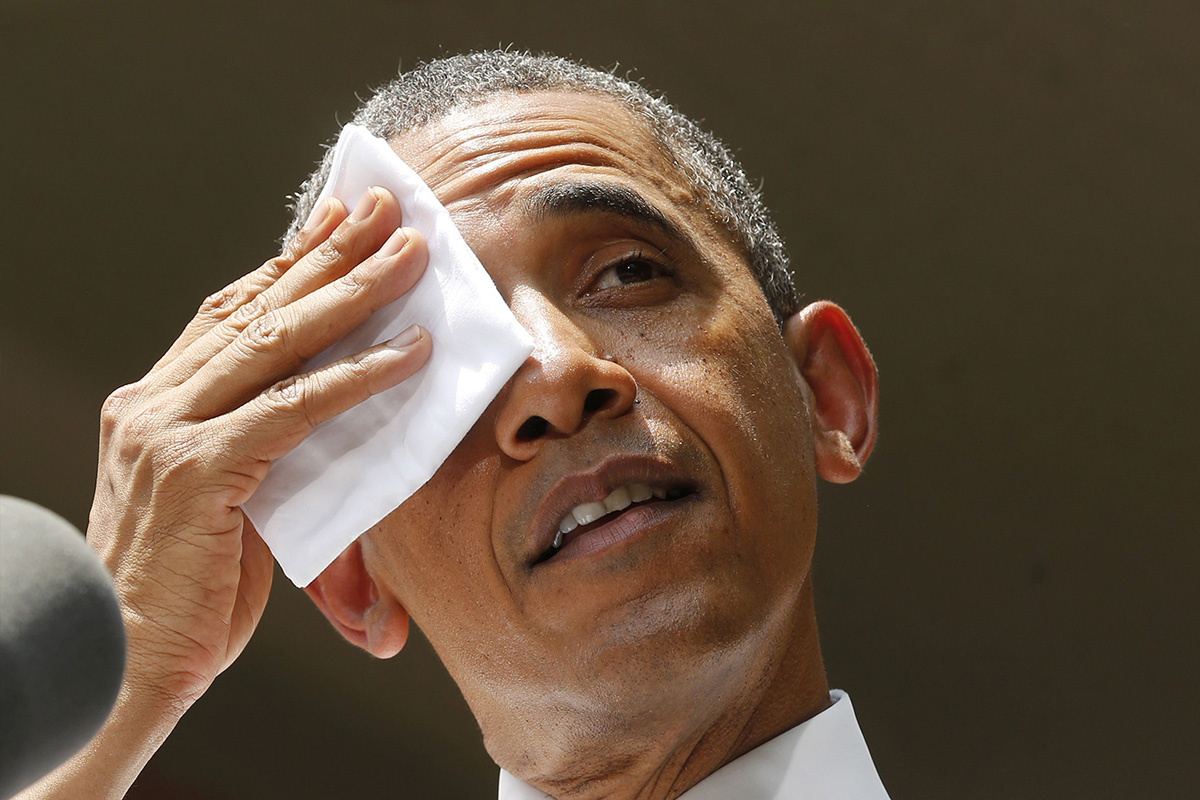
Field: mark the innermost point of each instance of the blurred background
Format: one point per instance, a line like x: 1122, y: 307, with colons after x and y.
x: 1004, y: 194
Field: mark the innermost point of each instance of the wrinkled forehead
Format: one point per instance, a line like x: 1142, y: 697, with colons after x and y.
x: 485, y: 152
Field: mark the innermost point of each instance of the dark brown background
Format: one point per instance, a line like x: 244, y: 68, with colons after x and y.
x: 1003, y: 194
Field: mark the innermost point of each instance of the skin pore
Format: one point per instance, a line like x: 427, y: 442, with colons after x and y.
x: 670, y: 637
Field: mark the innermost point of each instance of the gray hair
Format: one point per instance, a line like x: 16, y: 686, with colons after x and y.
x: 436, y: 88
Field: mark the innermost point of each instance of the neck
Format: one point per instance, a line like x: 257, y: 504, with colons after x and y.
x: 656, y: 765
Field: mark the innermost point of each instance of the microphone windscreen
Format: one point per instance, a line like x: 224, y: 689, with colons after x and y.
x: 62, y: 643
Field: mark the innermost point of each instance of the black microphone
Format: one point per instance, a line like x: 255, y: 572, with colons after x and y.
x: 62, y: 643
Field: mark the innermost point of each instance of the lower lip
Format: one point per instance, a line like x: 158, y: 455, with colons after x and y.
x: 625, y: 526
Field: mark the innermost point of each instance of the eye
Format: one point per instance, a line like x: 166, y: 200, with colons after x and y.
x: 633, y: 269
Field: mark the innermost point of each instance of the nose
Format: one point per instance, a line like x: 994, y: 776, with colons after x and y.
x: 563, y: 384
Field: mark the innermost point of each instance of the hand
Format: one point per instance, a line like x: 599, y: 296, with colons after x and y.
x: 184, y: 447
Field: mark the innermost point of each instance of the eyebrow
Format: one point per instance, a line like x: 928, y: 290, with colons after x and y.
x: 570, y: 199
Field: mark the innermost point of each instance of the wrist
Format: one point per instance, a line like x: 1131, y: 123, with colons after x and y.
x: 108, y: 764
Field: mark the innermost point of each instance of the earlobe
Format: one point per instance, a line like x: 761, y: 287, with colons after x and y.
x: 843, y: 388
x: 350, y: 599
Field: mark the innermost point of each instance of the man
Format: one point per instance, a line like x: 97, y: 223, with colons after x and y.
x: 671, y: 420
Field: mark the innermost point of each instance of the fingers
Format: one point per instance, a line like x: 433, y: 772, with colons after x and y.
x: 275, y: 421
x: 218, y: 306
x: 375, y: 217
x: 279, y: 342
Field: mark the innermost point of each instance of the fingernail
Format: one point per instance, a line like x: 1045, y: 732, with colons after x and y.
x: 317, y: 215
x: 406, y: 338
x: 394, y: 243
x: 365, y: 206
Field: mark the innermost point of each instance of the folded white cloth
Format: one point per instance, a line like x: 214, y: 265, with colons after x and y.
x: 356, y: 468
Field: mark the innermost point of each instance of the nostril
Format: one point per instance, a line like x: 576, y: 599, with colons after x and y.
x: 532, y: 428
x: 597, y: 399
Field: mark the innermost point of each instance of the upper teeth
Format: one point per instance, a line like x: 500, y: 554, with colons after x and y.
x: 619, y: 498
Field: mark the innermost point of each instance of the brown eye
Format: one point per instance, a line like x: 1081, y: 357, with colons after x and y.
x: 634, y: 270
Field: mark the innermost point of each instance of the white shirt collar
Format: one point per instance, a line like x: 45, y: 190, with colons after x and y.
x: 823, y: 758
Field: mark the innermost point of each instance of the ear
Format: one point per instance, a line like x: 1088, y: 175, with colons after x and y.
x: 351, y: 600
x: 842, y: 384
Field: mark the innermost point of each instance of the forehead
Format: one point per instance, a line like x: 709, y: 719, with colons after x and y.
x: 484, y: 155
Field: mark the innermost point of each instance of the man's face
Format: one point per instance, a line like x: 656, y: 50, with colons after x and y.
x: 658, y: 366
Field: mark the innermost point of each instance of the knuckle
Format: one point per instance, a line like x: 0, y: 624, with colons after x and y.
x: 264, y: 333
x: 285, y: 394
x: 117, y: 406
x: 240, y: 296
x: 120, y: 399
x: 220, y: 304
x: 347, y: 240
x: 274, y: 268
x: 358, y: 370
x: 139, y: 434
x: 353, y: 375
x: 356, y: 378
x: 332, y: 251
x: 353, y: 284
x: 291, y: 250
x: 292, y: 395
x: 247, y: 312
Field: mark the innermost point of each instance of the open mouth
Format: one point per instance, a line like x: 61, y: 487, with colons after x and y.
x: 587, y: 517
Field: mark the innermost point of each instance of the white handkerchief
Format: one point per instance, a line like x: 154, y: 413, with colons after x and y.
x: 354, y: 469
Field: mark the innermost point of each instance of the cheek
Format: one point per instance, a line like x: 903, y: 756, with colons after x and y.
x: 727, y: 376
x: 437, y: 555
x: 435, y: 549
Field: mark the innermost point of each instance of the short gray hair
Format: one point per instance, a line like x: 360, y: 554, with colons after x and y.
x: 436, y: 88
